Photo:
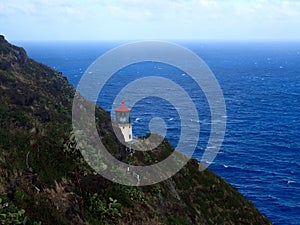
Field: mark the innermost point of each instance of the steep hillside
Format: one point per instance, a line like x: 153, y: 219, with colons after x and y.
x: 44, y: 179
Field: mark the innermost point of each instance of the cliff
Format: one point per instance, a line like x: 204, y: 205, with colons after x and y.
x: 44, y: 179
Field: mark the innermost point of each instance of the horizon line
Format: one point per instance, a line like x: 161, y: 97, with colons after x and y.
x: 160, y: 39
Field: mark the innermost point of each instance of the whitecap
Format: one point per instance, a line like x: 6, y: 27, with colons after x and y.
x: 272, y: 197
x: 209, y: 162
x: 290, y: 182
x: 192, y: 120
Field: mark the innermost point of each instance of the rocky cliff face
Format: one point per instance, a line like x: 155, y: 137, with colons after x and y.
x: 44, y: 179
x: 11, y: 56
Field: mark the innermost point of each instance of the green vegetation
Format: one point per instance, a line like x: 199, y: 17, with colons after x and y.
x: 46, y: 180
x: 99, y: 209
x: 10, y: 214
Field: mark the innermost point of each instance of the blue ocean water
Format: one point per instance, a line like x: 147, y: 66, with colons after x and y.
x: 260, y: 154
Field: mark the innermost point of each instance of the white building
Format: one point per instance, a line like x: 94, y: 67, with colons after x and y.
x: 123, y: 121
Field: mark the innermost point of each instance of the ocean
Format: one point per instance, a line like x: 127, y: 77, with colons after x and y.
x: 260, y: 81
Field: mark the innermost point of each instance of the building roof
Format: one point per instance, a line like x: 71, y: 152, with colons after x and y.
x: 122, y: 108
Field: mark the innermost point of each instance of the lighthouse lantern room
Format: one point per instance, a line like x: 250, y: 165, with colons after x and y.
x: 123, y: 121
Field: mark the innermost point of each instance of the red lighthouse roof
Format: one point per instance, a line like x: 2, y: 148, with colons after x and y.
x: 122, y: 108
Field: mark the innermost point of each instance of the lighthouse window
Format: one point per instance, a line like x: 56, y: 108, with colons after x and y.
x: 129, y: 136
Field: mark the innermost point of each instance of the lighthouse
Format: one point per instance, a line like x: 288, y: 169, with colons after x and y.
x: 123, y: 121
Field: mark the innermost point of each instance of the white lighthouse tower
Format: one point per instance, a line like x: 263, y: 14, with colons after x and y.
x: 123, y: 121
